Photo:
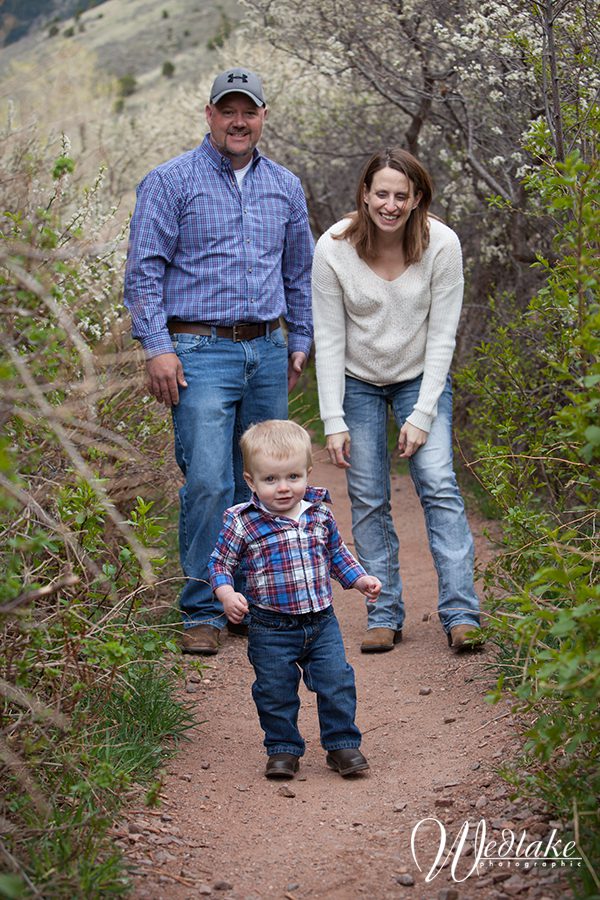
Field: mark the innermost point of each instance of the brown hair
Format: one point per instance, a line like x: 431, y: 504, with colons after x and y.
x: 277, y: 437
x: 361, y: 232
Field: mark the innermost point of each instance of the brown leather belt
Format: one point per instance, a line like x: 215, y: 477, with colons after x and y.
x: 242, y: 331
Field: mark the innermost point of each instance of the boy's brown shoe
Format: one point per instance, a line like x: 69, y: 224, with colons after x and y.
x: 349, y: 761
x: 463, y: 638
x: 378, y: 640
x: 282, y: 765
x: 201, y: 640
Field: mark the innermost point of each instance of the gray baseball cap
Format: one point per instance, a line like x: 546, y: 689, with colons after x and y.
x: 238, y: 81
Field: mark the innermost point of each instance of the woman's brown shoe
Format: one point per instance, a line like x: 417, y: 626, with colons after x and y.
x: 463, y: 638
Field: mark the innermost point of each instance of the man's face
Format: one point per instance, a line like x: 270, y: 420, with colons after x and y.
x: 236, y: 124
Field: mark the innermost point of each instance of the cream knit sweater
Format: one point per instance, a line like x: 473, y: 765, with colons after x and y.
x: 383, y: 332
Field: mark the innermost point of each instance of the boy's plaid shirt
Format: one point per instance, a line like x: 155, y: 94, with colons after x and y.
x: 287, y: 564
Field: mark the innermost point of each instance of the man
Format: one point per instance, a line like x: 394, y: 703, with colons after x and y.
x: 220, y: 249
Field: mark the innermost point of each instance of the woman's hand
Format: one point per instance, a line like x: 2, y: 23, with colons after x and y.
x: 410, y: 439
x: 338, y: 447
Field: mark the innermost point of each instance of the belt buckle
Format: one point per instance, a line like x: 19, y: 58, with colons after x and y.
x: 235, y: 332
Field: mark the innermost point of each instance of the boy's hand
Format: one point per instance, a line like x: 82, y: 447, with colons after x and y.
x: 369, y: 586
x: 235, y: 606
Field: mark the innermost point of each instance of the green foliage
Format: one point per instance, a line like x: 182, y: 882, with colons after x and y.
x: 224, y: 30
x: 126, y: 85
x: 86, y: 707
x: 534, y: 392
x: 168, y: 69
x: 62, y: 166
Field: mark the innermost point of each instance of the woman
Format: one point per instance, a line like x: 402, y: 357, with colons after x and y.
x: 387, y: 294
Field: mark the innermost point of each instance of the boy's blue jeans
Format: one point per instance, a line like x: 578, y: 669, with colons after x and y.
x: 282, y: 646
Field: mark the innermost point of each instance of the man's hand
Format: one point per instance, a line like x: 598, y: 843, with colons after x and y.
x: 296, y: 363
x: 338, y: 447
x: 164, y: 377
x: 410, y: 439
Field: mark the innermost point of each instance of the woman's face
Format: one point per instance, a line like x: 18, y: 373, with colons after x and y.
x: 390, y: 200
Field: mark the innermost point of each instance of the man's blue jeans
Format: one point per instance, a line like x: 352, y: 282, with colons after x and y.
x: 230, y: 386
x: 281, y: 646
x: 450, y: 541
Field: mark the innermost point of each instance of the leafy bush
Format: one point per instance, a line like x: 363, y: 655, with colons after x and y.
x: 81, y: 549
x: 534, y: 410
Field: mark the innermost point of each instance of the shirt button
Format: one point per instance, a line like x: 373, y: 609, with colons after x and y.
x: 250, y: 269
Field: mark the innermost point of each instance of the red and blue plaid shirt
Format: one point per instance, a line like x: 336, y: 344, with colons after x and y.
x: 287, y: 564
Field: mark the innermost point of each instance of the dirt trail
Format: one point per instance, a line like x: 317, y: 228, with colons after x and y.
x: 434, y: 745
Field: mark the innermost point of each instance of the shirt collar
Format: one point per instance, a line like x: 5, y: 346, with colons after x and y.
x: 217, y: 160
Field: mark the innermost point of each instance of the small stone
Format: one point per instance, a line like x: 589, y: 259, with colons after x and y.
x: 449, y: 719
x: 481, y: 802
x: 475, y: 766
x: 242, y: 787
x: 205, y: 765
x: 399, y: 806
x: 425, y: 691
x: 444, y: 803
x: 293, y: 886
x: 405, y: 880
x: 514, y: 885
x: 222, y: 886
x: 204, y: 889
x: 134, y: 828
x: 195, y: 678
x: 426, y: 617
x: 448, y: 894
x: 185, y: 777
x: 191, y: 688
x: 498, y: 877
x: 285, y: 791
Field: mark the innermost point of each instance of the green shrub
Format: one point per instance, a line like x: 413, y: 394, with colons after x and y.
x: 82, y: 548
x: 126, y: 85
x: 534, y: 410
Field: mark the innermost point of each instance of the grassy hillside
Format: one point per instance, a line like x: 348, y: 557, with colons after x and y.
x: 120, y: 41
x: 126, y: 82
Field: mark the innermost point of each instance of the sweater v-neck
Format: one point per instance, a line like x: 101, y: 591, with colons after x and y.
x: 381, y: 278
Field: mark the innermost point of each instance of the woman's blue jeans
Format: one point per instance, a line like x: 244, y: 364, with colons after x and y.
x: 230, y: 385
x: 450, y: 541
x: 282, y: 646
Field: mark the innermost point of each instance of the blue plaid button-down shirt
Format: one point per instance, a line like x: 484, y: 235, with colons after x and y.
x: 287, y: 564
x: 202, y: 249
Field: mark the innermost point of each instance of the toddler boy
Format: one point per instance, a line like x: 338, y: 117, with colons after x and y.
x: 287, y: 545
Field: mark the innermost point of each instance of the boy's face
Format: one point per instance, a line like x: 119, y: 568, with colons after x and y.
x: 279, y: 483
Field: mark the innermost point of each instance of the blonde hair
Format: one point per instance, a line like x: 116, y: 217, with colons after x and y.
x: 276, y: 437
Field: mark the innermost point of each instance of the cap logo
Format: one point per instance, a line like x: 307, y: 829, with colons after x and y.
x: 231, y: 78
